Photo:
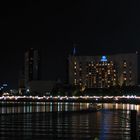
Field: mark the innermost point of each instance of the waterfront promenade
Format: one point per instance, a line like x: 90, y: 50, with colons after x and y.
x: 82, y: 99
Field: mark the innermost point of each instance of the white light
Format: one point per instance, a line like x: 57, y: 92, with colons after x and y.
x: 5, y: 85
x: 128, y: 96
x: 28, y: 90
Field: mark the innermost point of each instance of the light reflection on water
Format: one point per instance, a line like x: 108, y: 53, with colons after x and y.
x: 29, y: 107
x: 40, y: 107
x: 117, y: 106
x: 25, y: 122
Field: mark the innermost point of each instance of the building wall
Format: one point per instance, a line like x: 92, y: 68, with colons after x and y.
x: 31, y: 68
x: 103, y: 71
x: 127, y: 63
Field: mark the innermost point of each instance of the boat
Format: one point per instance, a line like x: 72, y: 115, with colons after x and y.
x: 94, y: 107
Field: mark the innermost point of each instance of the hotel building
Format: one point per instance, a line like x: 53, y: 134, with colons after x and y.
x: 103, y: 71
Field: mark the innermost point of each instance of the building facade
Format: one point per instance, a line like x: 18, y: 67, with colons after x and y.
x: 103, y: 71
x: 31, y: 66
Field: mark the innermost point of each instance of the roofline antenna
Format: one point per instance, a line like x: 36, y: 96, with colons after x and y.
x: 74, y: 49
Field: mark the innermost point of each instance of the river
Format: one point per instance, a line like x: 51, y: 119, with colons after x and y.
x: 53, y: 121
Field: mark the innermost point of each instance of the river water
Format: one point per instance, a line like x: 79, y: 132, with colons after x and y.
x: 53, y: 121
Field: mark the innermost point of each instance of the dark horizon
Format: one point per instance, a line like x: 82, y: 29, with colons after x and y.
x: 97, y: 27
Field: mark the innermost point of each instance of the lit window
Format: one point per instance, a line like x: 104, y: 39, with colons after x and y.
x: 111, y: 63
x: 124, y: 72
x: 108, y: 71
x: 75, y: 81
x: 124, y: 78
x: 124, y: 64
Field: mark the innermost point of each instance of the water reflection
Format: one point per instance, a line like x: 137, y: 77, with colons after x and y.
x: 29, y: 107
x: 106, y: 125
x: 25, y: 121
x: 121, y: 106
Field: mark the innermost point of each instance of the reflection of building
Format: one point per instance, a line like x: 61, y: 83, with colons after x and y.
x: 103, y: 71
x: 32, y: 66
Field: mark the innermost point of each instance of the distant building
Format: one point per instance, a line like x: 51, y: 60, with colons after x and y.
x: 31, y: 66
x: 103, y: 71
x: 21, y: 81
x: 41, y: 87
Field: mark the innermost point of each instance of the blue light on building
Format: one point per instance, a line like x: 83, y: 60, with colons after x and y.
x: 74, y: 51
x: 103, y: 59
x: 5, y: 85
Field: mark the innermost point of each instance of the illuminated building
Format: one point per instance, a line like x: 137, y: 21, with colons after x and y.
x: 103, y: 71
x: 32, y: 66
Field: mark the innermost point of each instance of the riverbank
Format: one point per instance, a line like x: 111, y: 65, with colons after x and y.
x: 75, y: 99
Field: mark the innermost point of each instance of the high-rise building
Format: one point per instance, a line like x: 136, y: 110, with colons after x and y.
x: 32, y: 66
x: 103, y: 71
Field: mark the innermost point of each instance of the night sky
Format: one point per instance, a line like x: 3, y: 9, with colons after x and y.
x: 95, y: 26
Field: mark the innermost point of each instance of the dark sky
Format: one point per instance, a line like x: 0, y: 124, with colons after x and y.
x: 96, y: 26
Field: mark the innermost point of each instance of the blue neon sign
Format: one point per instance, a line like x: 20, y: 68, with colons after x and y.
x: 103, y: 59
